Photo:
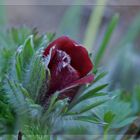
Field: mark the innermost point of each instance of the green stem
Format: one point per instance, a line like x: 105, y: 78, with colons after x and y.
x: 94, y: 24
x: 105, y: 135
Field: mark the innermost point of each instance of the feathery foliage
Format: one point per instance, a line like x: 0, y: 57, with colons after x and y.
x: 22, y: 84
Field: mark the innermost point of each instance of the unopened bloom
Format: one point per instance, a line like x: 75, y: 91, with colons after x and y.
x: 69, y: 67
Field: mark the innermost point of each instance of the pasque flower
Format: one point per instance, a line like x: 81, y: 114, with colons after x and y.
x: 69, y: 67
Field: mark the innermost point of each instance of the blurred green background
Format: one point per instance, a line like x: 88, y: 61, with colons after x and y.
x: 88, y: 24
x: 111, y: 32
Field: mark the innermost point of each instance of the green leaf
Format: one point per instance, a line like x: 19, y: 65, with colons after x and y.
x: 15, y: 96
x: 94, y: 24
x: 114, y: 113
x: 18, y: 35
x: 88, y: 107
x: 14, y: 37
x: 91, y: 90
x: 100, y: 76
x: 27, y: 50
x: 18, y: 66
x: 53, y: 100
x: 125, y: 122
x: 8, y: 51
x: 107, y: 37
x: 60, y: 106
x: 5, y: 56
x: 35, y: 75
x: 88, y: 94
x: 24, y: 91
x: 109, y: 116
x: 93, y: 105
x: 50, y: 37
x: 89, y: 119
x: 23, y: 57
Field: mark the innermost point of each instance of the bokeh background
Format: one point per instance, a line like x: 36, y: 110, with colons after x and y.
x: 88, y: 22
x: 72, y: 18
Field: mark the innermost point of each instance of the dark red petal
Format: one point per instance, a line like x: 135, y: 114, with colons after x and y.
x: 79, y: 55
x: 62, y: 73
x: 85, y: 80
x: 61, y: 41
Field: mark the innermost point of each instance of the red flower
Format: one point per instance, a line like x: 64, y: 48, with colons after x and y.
x: 69, y: 65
